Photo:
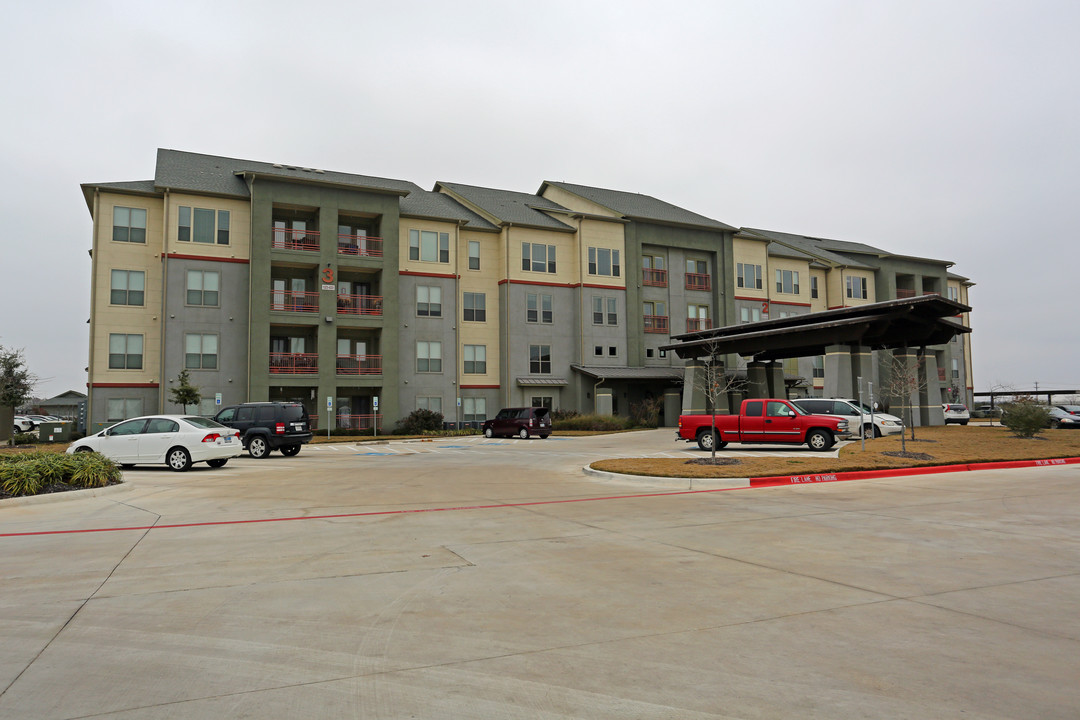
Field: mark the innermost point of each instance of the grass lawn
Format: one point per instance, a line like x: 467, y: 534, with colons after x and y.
x: 949, y: 445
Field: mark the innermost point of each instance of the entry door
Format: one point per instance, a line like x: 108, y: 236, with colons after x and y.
x: 278, y: 301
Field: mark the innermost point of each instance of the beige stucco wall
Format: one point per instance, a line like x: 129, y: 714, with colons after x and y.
x: 602, y: 234
x: 485, y: 280
x: 240, y: 235
x: 573, y: 202
x: 752, y: 252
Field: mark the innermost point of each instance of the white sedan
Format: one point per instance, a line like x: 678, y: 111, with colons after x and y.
x: 175, y: 440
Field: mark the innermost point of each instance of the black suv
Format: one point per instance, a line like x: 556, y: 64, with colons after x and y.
x: 519, y: 421
x: 266, y: 426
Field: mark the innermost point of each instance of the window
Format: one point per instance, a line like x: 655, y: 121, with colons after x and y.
x: 123, y: 408
x: 612, y: 351
x: 537, y: 258
x: 697, y: 267
x: 748, y: 276
x: 649, y: 352
x: 126, y: 287
x: 129, y: 225
x: 955, y: 369
x: 652, y: 262
x: 787, y: 282
x: 653, y: 270
x: 434, y: 404
x: 202, y: 287
x: 203, y: 225
x: 813, y: 286
x: 474, y: 254
x: 544, y: 401
x: 429, y: 246
x: 125, y: 352
x: 200, y: 351
x: 473, y: 307
x: 597, y: 310
x: 750, y: 314
x: 598, y: 350
x: 856, y: 287
x: 605, y: 309
x: 540, y: 359
x: 538, y: 308
x: 604, y: 261
x: 475, y: 359
x: 429, y: 301
x: 697, y: 275
x: 474, y: 409
x: 428, y: 357
x: 952, y: 293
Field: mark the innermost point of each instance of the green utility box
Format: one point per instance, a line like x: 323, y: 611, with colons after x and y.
x: 54, y: 432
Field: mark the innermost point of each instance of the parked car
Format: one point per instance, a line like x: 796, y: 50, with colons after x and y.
x: 23, y: 424
x: 267, y: 426
x: 522, y: 422
x: 857, y: 415
x: 36, y: 420
x: 175, y: 440
x: 956, y: 413
x: 764, y: 421
x: 1063, y: 418
x: 986, y: 411
x: 1071, y: 409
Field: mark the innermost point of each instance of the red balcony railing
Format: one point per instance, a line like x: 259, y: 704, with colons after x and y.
x: 294, y: 301
x: 359, y: 245
x: 904, y: 293
x: 698, y: 281
x: 695, y: 324
x: 359, y: 304
x: 656, y: 324
x: 295, y: 239
x: 655, y: 278
x: 359, y: 364
x: 359, y: 422
x: 294, y: 363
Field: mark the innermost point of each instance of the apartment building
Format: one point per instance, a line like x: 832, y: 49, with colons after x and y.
x: 366, y: 297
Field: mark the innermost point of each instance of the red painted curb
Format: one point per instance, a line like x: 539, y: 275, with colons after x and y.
x: 896, y: 472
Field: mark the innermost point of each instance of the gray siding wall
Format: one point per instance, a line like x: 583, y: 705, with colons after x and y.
x: 100, y: 403
x: 416, y: 328
x: 562, y: 335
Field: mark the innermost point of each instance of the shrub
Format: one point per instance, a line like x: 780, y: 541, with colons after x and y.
x: 93, y: 470
x: 33, y: 472
x: 598, y: 423
x: 418, y: 422
x: 20, y: 478
x: 647, y: 412
x: 557, y: 415
x: 24, y: 439
x: 1026, y: 418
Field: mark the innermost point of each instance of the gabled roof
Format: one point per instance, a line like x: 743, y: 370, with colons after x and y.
x: 508, y: 206
x: 635, y: 206
x: 134, y: 187
x: 806, y: 245
x: 440, y: 206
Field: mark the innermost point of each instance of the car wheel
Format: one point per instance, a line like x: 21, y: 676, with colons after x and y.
x: 258, y: 448
x: 489, y: 433
x: 868, y: 432
x: 83, y: 449
x: 290, y: 450
x: 179, y: 459
x: 523, y: 433
x: 127, y: 466
x: 543, y: 437
x: 819, y: 440
x: 963, y: 422
x: 706, y: 439
x: 217, y: 462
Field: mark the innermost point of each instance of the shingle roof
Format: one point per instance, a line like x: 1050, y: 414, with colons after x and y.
x: 509, y: 206
x: 440, y: 206
x: 808, y: 246
x: 640, y: 207
x: 178, y: 170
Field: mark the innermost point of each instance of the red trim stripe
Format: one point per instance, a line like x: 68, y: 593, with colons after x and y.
x: 179, y: 256
x: 480, y: 387
x: 451, y: 276
x: 125, y: 385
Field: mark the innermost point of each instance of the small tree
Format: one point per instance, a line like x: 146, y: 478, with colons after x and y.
x: 716, y: 385
x: 16, y: 382
x: 905, y: 380
x: 185, y: 393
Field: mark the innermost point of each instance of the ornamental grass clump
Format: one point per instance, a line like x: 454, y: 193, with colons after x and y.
x: 37, y: 472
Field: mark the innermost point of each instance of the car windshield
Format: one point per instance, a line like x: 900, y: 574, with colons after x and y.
x: 201, y: 422
x: 798, y: 409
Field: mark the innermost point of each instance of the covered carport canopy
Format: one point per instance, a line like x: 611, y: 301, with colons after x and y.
x: 908, y: 322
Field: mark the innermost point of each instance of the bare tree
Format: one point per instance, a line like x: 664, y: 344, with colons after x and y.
x: 716, y: 384
x: 906, y: 380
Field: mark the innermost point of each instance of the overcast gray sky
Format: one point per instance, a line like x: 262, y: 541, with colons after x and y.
x: 940, y: 128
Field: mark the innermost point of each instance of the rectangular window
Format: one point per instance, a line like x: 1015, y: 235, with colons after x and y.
x: 819, y: 366
x: 604, y: 261
x: 612, y: 311
x: 474, y: 254
x: 129, y: 225
x: 813, y: 286
x: 748, y: 276
x: 428, y: 357
x: 183, y: 230
x: 597, y: 310
x: 429, y: 246
x: 955, y: 369
x: 697, y: 267
x: 434, y: 404
x: 123, y: 408
x: 125, y: 352
x: 203, y: 225
x: 787, y: 282
x: 428, y: 301
x: 475, y: 359
x: 200, y: 351
x: 540, y: 359
x: 612, y: 351
x: 544, y: 401
x: 473, y: 307
x: 598, y: 350
x: 127, y: 287
x: 202, y: 287
x: 536, y: 257
x: 952, y: 293
x: 474, y: 409
x: 538, y: 308
x: 750, y: 314
x: 856, y: 287
x: 605, y: 309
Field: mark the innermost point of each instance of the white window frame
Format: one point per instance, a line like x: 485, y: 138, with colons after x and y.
x: 125, y: 277
x: 196, y: 355
x: 474, y: 360
x: 202, y: 290
x: 429, y: 356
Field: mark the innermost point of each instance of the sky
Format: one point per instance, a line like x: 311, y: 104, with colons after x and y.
x: 947, y: 129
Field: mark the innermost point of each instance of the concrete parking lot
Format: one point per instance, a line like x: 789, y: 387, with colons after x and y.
x: 493, y: 579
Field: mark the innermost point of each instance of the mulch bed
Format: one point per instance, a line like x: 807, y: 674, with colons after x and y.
x: 908, y: 455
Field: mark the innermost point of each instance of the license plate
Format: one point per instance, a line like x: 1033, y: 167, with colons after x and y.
x: 298, y: 426
x: 228, y: 438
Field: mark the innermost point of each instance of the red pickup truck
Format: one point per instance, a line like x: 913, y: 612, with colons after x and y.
x: 764, y: 421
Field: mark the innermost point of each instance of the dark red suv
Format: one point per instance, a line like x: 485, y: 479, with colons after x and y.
x: 522, y: 422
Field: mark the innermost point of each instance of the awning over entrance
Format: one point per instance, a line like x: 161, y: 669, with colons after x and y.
x: 598, y: 372
x: 909, y: 322
x: 545, y: 381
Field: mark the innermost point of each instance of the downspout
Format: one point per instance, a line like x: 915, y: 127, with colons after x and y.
x: 93, y: 311
x: 164, y: 304
x: 251, y: 299
x: 458, y: 349
x: 506, y: 321
x: 581, y: 298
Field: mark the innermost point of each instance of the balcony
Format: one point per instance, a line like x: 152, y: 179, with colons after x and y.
x: 698, y: 281
x: 294, y: 301
x: 656, y: 324
x: 284, y: 239
x: 359, y: 364
x: 695, y: 324
x: 359, y: 304
x: 360, y: 246
x: 904, y: 293
x: 655, y: 278
x: 294, y: 363
x: 359, y: 422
